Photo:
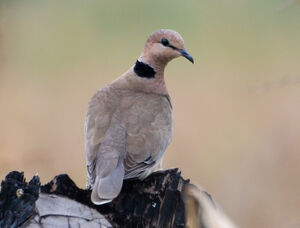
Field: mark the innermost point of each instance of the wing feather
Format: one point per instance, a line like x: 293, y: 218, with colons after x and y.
x: 149, y: 131
x: 98, y: 119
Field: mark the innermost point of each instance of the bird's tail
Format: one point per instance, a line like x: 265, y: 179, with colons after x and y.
x: 107, y: 188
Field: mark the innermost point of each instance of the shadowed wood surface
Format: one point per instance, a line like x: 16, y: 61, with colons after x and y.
x: 153, y: 202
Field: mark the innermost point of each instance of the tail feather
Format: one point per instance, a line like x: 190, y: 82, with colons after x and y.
x: 97, y: 200
x: 107, y: 188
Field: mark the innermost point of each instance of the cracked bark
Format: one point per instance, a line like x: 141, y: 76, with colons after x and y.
x: 153, y: 202
x: 164, y: 199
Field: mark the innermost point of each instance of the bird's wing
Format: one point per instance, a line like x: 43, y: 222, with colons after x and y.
x: 110, y: 162
x: 149, y: 131
x: 105, y: 146
x: 98, y: 119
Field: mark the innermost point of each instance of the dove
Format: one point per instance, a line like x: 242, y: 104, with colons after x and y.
x: 129, y: 123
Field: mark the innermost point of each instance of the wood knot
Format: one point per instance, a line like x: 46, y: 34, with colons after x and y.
x: 19, y: 192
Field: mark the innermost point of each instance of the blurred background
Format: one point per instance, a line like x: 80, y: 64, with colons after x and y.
x: 237, y: 109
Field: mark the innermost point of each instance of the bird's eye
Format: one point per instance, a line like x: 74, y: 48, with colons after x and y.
x: 164, y: 41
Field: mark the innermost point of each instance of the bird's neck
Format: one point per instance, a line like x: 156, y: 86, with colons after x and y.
x: 152, y: 73
x: 144, y: 76
x: 157, y: 65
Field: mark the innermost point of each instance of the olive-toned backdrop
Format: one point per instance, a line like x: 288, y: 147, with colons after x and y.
x: 237, y: 109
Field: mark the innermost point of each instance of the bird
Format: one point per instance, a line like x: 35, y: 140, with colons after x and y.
x: 129, y: 123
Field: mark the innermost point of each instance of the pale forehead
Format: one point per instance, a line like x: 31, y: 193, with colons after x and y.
x: 171, y: 35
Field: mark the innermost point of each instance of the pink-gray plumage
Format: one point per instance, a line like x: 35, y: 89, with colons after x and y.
x: 129, y: 122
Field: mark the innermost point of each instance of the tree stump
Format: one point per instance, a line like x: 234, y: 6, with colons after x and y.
x: 154, y: 202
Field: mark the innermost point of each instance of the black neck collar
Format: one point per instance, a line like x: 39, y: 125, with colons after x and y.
x: 144, y: 70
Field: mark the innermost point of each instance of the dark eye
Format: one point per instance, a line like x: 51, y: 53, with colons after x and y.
x: 164, y: 42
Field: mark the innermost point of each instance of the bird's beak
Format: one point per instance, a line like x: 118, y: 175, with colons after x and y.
x: 185, y: 54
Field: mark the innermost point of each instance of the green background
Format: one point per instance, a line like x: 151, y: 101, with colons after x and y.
x: 236, y: 109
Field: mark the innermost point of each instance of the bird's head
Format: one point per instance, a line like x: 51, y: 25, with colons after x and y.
x: 164, y: 45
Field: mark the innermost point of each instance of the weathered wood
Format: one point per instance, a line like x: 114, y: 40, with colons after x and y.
x: 201, y: 211
x: 21, y: 205
x: 58, y: 211
x: 164, y: 199
x: 153, y: 202
x: 17, y: 199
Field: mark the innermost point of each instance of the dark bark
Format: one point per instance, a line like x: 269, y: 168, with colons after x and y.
x: 17, y: 199
x: 153, y: 202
